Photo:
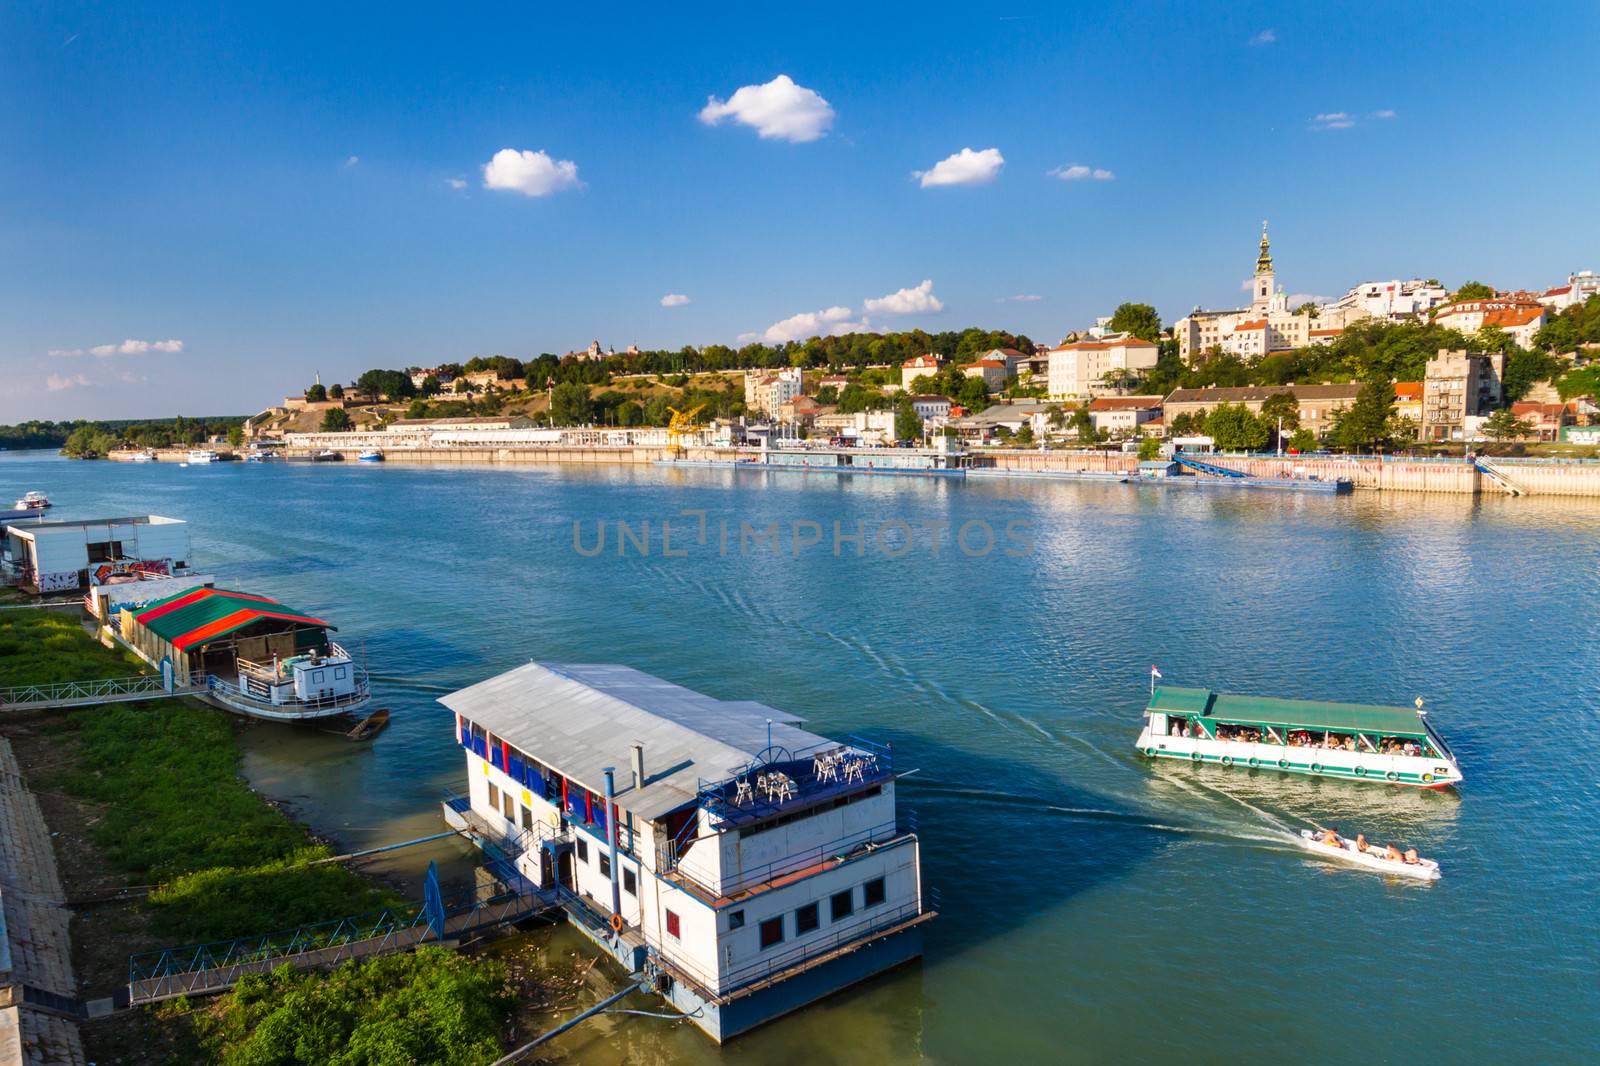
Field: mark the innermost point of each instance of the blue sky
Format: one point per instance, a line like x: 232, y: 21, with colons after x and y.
x: 295, y: 189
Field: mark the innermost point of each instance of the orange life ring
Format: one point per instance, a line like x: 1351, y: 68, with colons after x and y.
x: 616, y: 923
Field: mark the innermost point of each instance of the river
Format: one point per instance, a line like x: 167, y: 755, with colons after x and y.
x: 1094, y: 907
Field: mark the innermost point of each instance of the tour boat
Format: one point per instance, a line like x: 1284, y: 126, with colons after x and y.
x: 326, y: 455
x: 33, y: 501
x: 1374, y: 858
x: 203, y: 455
x: 371, y: 456
x: 1354, y: 742
x: 142, y: 457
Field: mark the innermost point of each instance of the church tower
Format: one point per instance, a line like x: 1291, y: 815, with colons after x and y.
x: 1262, y: 296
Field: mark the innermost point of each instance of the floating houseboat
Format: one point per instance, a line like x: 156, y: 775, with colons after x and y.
x: 1385, y: 745
x: 252, y: 654
x: 749, y: 866
x: 145, y: 456
x: 203, y: 455
x: 33, y: 501
x: 50, y: 556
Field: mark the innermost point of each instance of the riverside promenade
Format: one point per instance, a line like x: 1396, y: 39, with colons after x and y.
x: 35, y: 938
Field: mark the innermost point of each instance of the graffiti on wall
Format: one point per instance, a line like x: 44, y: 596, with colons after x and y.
x: 128, y: 570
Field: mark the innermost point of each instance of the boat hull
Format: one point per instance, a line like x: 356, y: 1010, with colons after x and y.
x: 1413, y: 771
x: 288, y: 712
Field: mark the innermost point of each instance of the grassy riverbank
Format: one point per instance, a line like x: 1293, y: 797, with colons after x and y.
x: 162, y: 843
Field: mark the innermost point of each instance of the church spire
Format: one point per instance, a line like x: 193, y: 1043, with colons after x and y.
x: 1264, y: 260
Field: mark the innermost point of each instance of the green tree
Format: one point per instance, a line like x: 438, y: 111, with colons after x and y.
x: 1303, y: 441
x: 1024, y: 435
x: 907, y: 423
x: 1281, y: 405
x: 1366, y: 424
x: 1234, y: 428
x: 1474, y: 290
x: 1149, y: 449
x: 336, y: 420
x: 1141, y: 320
x: 1503, y: 425
x: 570, y: 404
x: 1082, y: 422
x: 316, y: 393
x: 1525, y: 369
x: 1581, y: 381
x: 235, y: 436
x: 336, y: 391
x: 828, y: 394
x: 1311, y: 308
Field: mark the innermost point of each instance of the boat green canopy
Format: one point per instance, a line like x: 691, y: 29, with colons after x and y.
x: 1267, y: 710
x: 198, y: 615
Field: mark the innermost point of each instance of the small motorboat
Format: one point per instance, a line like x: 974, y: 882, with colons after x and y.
x: 33, y: 501
x: 143, y: 457
x: 371, y: 456
x: 203, y: 455
x: 371, y: 725
x: 1373, y: 858
x: 327, y: 455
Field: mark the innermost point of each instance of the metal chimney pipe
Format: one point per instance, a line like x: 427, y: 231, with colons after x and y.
x: 611, y: 840
x: 638, y: 764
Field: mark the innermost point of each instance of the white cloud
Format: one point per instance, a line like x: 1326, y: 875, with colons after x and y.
x: 674, y: 299
x: 58, y: 383
x: 916, y: 301
x: 1020, y: 298
x: 456, y: 183
x: 530, y: 173
x: 828, y: 322
x: 127, y: 347
x: 966, y: 167
x: 1333, y: 120
x: 1079, y: 172
x: 1266, y: 36
x: 778, y: 110
x: 351, y: 161
x: 1384, y: 113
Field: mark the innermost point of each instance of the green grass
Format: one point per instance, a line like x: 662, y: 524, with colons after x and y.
x: 44, y: 645
x: 429, y: 1007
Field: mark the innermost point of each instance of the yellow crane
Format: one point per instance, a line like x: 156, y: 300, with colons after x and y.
x: 681, y: 425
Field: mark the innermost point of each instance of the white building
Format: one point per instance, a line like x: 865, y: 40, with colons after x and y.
x: 765, y: 391
x: 1521, y: 317
x: 1079, y: 369
x: 1237, y: 331
x: 934, y: 407
x: 747, y: 865
x: 1123, y: 416
x: 1393, y: 301
x: 919, y: 366
x: 866, y: 427
x: 1577, y: 290
x: 50, y: 556
x: 993, y: 372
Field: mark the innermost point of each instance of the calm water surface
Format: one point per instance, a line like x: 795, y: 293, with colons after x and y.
x: 1094, y: 908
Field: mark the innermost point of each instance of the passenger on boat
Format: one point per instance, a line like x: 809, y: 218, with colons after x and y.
x: 1411, y: 856
x: 1392, y: 853
x: 1331, y: 838
x: 1361, y: 842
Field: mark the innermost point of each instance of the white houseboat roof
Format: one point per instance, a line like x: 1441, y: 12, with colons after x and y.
x: 581, y: 718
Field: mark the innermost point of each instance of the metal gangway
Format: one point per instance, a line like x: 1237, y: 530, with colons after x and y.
x: 204, y: 969
x: 1494, y: 474
x: 65, y: 694
x: 1207, y: 468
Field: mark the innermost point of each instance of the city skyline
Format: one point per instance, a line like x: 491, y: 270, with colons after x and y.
x: 205, y: 209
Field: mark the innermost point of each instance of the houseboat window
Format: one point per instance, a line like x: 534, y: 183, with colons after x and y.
x: 872, y: 893
x: 605, y: 865
x: 583, y: 850
x: 510, y: 808
x: 316, y: 676
x: 527, y: 818
x: 842, y: 904
x: 494, y: 796
x: 771, y: 932
x: 674, y: 930
x: 338, y: 673
x: 478, y: 734
x: 630, y: 882
x: 735, y: 920
x: 807, y: 919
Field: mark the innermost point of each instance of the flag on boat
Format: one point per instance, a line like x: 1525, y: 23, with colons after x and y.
x: 1154, y: 672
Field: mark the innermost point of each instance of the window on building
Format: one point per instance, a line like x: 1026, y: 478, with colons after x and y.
x: 630, y: 882
x: 872, y: 893
x: 674, y: 929
x: 771, y: 932
x: 583, y: 850
x: 807, y: 919
x: 605, y: 864
x: 510, y: 807
x: 735, y: 920
x: 527, y: 818
x: 841, y: 904
x: 494, y: 797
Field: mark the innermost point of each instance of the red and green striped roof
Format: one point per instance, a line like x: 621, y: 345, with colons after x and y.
x: 199, y: 615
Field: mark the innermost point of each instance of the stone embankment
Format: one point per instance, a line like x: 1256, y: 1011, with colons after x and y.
x: 35, y: 955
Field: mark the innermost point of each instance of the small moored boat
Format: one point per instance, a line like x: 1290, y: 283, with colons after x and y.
x: 371, y: 725
x: 1373, y: 858
x: 327, y: 455
x: 372, y: 455
x: 33, y: 501
x: 203, y: 455
x: 146, y: 456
